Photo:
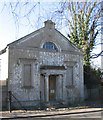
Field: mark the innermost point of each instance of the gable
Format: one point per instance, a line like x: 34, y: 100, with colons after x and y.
x: 30, y: 40
x: 46, y: 34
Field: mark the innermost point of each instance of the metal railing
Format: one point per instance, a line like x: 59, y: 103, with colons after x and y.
x: 10, y: 95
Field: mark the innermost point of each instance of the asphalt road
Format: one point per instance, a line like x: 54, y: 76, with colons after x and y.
x: 85, y: 114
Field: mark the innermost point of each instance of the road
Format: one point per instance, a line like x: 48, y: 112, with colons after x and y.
x: 86, y: 114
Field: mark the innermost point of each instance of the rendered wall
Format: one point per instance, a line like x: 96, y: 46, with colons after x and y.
x: 32, y: 96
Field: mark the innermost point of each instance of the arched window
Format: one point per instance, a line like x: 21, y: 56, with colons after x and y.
x: 50, y: 46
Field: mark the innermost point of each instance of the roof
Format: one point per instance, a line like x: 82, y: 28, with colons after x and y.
x: 48, y: 25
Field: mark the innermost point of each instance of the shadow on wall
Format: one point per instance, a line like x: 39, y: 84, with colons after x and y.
x: 93, y: 93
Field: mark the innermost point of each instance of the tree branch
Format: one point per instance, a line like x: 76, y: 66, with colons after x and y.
x: 97, y: 55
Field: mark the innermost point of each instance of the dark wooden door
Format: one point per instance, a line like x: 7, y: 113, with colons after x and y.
x: 52, y: 87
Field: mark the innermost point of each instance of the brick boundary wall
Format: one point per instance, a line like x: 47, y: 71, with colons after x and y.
x: 3, y: 96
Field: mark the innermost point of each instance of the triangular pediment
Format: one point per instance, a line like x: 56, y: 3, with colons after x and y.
x: 48, y: 33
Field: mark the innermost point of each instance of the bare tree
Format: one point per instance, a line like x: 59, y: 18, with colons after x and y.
x: 31, y: 13
x: 83, y: 20
x: 64, y: 13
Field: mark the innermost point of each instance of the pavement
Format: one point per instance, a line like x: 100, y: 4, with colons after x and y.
x: 64, y: 113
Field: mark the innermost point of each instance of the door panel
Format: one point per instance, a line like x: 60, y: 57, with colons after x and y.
x: 52, y: 87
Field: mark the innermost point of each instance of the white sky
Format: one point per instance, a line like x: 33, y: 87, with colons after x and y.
x: 9, y: 32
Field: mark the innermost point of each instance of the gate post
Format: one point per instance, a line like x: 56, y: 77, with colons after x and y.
x: 9, y: 101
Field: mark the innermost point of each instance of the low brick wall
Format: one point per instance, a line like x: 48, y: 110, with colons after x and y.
x: 3, y: 95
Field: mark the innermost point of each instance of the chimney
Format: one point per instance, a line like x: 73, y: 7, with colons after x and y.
x: 49, y: 24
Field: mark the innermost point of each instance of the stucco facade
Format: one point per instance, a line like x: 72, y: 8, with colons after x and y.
x: 45, y: 67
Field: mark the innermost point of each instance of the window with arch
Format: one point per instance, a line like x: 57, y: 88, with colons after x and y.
x: 50, y: 46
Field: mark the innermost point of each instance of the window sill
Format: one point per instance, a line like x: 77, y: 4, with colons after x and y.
x: 27, y: 87
x: 70, y: 86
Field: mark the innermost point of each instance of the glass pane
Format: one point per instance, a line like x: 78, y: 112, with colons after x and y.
x: 49, y: 45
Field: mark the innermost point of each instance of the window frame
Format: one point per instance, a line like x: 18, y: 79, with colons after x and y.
x: 29, y: 83
x: 70, y: 82
x: 24, y: 61
x: 49, y: 46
